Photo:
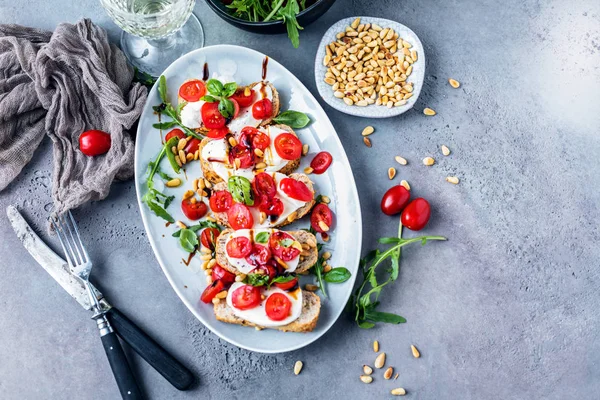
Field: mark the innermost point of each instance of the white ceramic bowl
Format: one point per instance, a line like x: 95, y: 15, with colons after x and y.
x: 370, y: 111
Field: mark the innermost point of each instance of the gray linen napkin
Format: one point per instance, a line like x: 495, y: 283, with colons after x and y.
x: 62, y: 84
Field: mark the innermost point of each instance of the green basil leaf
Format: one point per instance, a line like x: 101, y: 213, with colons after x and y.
x: 378, y: 316
x: 286, y: 242
x: 159, y: 211
x: 241, y: 190
x: 188, y: 240
x: 293, y: 119
x: 262, y: 237
x: 226, y: 108
x: 170, y: 143
x: 338, y: 275
x: 197, y: 227
x: 162, y: 88
x: 283, y: 279
x: 256, y: 279
x: 214, y: 87
x: 229, y: 89
x: 165, y: 125
x: 366, y: 325
x: 288, y: 14
x: 209, y: 99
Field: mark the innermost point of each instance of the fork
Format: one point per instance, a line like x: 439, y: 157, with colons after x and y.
x: 81, y: 266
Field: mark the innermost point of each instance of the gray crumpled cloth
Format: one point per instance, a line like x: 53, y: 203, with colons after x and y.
x: 62, y: 84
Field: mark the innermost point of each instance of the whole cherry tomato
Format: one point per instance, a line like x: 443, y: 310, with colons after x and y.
x: 321, y: 162
x: 416, y: 214
x: 394, y: 200
x: 211, y: 116
x: 94, y: 142
x: 175, y: 133
x: 194, y: 211
x: 262, y: 109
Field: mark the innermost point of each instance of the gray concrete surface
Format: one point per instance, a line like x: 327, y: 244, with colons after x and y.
x: 508, y: 308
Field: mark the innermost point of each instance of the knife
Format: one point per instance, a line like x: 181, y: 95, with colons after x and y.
x: 171, y: 369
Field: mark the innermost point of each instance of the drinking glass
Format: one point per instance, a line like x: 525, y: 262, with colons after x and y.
x: 155, y: 32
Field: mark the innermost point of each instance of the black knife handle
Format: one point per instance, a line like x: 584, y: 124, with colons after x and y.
x: 173, y: 371
x: 120, y: 367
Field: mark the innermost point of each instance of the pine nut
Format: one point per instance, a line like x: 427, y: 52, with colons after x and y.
x: 189, y: 157
x: 454, y: 83
x: 452, y: 179
x: 396, y: 376
x: 376, y: 346
x: 445, y: 150
x: 388, y: 373
x: 304, y: 149
x: 193, y: 200
x: 367, y: 141
x: 222, y: 295
x: 368, y: 130
x: 326, y: 256
x: 292, y: 217
x: 178, y: 161
x: 380, y: 361
x: 259, y: 152
x: 260, y: 165
x: 366, y: 378
x: 174, y: 149
x: 182, y: 157
x: 239, y: 278
x: 308, y: 170
x: 428, y: 111
x: 367, y: 370
x: 174, y: 182
x: 181, y: 144
x: 262, y: 217
x: 298, y: 367
x: 327, y: 268
x: 391, y: 173
x: 429, y: 161
x: 211, y: 264
x: 325, y: 199
x: 398, y: 392
x: 324, y: 227
x: 310, y: 287
x: 216, y: 300
x: 188, y: 194
x: 195, y: 184
x: 401, y: 160
x: 415, y: 351
x: 180, y: 224
x: 232, y: 141
x: 405, y: 184
x: 355, y: 23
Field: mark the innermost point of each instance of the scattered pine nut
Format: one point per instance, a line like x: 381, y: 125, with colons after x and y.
x: 298, y: 367
x: 308, y: 170
x: 405, y: 184
x: 452, y: 179
x: 216, y: 300
x: 174, y: 149
x: 388, y: 373
x: 310, y: 287
x: 366, y: 378
x: 327, y: 268
x: 193, y: 200
x: 206, y: 257
x: 445, y: 150
x: 454, y: 83
x: 428, y: 111
x: 324, y: 227
x: 259, y: 152
x: 325, y: 199
x: 305, y: 149
x: 182, y: 157
x: 178, y: 161
x: 376, y: 346
x: 195, y: 184
x: 211, y: 263
x: 205, y: 265
x: 174, y: 182
x: 209, y: 280
x: 207, y: 184
x: 239, y: 278
x: 355, y: 23
x: 391, y: 173
x: 415, y: 351
x: 326, y: 255
x: 180, y: 224
x: 367, y: 370
x: 196, y: 155
x: 368, y: 130
x: 367, y: 141
x: 232, y: 141
x: 429, y: 161
x: 380, y: 361
x: 222, y: 294
x: 181, y: 144
x: 396, y: 376
x: 262, y: 217
x: 260, y: 165
x: 398, y: 392
x: 401, y: 160
x: 188, y: 194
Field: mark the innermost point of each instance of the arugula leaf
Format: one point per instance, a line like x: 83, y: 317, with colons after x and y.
x: 143, y: 77
x: 197, y: 227
x: 188, y: 240
x: 157, y: 170
x: 293, y: 119
x: 256, y: 279
x: 241, y: 190
x: 156, y: 201
x: 378, y: 316
x: 226, y: 108
x: 262, y: 237
x: 162, y: 88
x: 165, y: 125
x: 214, y: 87
x: 229, y: 89
x: 288, y: 13
x: 170, y: 156
x: 337, y: 275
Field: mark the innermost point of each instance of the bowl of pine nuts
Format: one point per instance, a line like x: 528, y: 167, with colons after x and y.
x: 370, y: 67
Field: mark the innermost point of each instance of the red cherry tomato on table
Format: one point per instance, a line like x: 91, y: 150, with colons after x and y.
x: 416, y: 214
x: 288, y: 146
x: 246, y: 297
x: 281, y: 249
x: 211, y: 116
x: 243, y: 99
x: 217, y: 133
x: 295, y: 189
x: 192, y: 145
x: 394, y: 200
x: 208, y: 237
x: 221, y: 274
x: 239, y: 217
x: 94, y: 142
x: 259, y: 256
x: 194, y: 211
x: 321, y: 213
x: 243, y: 154
x: 220, y: 201
x: 321, y: 162
x: 278, y: 307
x: 192, y: 90
x: 211, y: 291
x: 175, y: 133
x: 287, y: 285
x: 238, y: 247
x: 262, y: 109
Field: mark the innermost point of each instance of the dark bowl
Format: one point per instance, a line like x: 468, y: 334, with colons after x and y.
x: 306, y: 17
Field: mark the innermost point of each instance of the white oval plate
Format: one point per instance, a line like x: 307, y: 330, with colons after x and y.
x: 370, y: 111
x: 245, y: 66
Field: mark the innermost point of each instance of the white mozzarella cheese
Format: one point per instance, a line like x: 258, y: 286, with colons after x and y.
x: 190, y: 114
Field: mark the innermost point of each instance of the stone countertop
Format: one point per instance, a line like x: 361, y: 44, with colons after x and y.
x: 508, y: 308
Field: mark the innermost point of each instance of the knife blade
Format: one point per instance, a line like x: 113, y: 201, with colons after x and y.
x: 176, y: 373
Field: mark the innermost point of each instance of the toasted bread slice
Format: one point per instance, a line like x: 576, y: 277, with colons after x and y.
x: 274, y: 101
x: 306, y: 261
x: 214, y: 178
x: 301, y: 212
x: 306, y: 322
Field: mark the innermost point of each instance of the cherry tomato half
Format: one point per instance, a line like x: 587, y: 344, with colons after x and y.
x: 246, y: 136
x: 271, y: 206
x: 243, y: 99
x: 236, y: 108
x: 194, y: 211
x: 262, y: 109
x: 259, y: 256
x: 217, y: 133
x: 416, y: 214
x: 220, y: 201
x: 245, y: 155
x: 278, y: 307
x: 211, y: 116
x: 192, y: 90
x: 288, y: 146
x: 321, y: 162
x: 295, y: 189
x: 321, y: 212
x: 394, y: 200
x: 208, y: 237
x: 245, y: 297
x: 192, y: 145
x: 221, y: 274
x: 260, y: 141
x: 94, y: 142
x: 238, y: 247
x: 264, y: 185
x: 287, y: 285
x: 280, y: 244
x: 175, y: 133
x: 211, y: 291
x: 239, y: 217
